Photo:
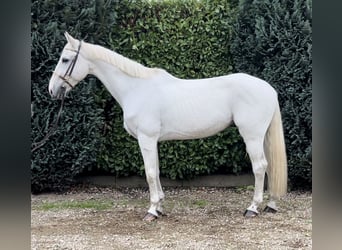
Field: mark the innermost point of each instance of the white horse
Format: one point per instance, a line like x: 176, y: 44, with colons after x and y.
x: 158, y: 106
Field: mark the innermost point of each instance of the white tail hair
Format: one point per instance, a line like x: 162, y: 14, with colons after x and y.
x: 276, y: 156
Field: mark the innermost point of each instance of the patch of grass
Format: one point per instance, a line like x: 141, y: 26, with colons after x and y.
x: 134, y: 202
x: 90, y: 204
x: 244, y: 188
x: 200, y: 203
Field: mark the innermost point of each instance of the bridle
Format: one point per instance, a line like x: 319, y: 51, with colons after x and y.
x: 71, y: 67
x: 65, y: 78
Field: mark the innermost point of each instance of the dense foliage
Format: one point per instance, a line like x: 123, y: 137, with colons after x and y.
x: 273, y: 40
x: 190, y: 39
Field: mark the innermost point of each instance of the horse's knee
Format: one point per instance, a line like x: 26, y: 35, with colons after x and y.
x: 151, y: 176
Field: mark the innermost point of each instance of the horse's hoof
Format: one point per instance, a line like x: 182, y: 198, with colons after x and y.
x: 250, y: 214
x: 269, y: 210
x: 150, y: 217
x: 161, y: 213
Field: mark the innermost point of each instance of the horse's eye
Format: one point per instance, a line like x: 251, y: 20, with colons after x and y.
x: 65, y: 60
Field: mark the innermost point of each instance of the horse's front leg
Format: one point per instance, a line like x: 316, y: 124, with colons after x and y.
x: 149, y: 150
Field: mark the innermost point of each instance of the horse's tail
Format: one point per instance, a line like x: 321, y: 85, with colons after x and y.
x: 276, y: 156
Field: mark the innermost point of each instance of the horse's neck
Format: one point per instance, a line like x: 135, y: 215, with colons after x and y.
x: 117, y: 83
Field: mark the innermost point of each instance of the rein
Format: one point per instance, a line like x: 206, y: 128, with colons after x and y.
x: 53, y: 128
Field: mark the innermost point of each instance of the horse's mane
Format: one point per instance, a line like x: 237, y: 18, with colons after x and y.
x: 126, y: 65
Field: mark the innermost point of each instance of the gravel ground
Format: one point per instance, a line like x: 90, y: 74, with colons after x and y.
x: 197, y: 218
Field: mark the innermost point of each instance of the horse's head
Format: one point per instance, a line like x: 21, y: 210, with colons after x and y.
x: 71, y: 69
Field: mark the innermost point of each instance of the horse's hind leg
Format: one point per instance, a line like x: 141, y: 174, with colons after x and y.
x: 254, y: 146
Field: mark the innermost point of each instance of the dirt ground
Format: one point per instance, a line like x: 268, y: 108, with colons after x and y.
x: 197, y: 218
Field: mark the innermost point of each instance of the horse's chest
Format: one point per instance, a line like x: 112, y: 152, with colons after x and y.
x: 130, y: 131
x: 130, y: 125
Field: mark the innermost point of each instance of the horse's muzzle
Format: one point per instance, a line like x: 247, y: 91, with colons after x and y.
x: 59, y: 94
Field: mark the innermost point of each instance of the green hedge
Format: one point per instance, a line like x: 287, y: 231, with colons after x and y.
x: 273, y: 40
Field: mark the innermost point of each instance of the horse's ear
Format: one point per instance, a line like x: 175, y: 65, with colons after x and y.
x: 71, y: 40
